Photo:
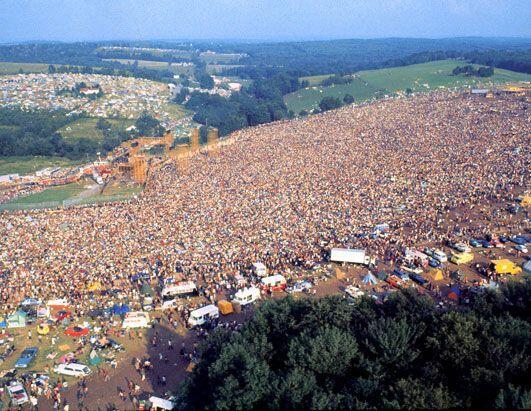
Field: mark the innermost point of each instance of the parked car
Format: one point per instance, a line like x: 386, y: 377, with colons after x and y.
x: 486, y: 244
x: 27, y: 357
x: 17, y: 394
x: 73, y: 369
x: 519, y: 240
x: 475, y: 242
x: 503, y: 239
x: 521, y: 248
x: 301, y: 286
x: 462, y: 248
x: 418, y: 279
x: 107, y: 343
x: 434, y: 263
x: 354, y: 292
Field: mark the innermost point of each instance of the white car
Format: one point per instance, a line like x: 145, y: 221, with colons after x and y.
x: 17, y: 393
x: 73, y: 369
x: 521, y: 248
x: 462, y: 248
x: 440, y: 256
x: 354, y: 292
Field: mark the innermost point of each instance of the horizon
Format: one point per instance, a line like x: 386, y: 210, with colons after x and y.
x: 255, y: 20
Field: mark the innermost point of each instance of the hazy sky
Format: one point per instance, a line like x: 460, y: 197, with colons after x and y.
x: 260, y: 19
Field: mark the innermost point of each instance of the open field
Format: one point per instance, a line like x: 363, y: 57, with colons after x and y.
x: 59, y: 193
x: 28, y: 165
x: 157, y: 65
x: 86, y: 128
x: 417, y: 77
x: 14, y: 68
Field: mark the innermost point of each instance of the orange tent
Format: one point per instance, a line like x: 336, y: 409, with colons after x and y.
x: 225, y: 307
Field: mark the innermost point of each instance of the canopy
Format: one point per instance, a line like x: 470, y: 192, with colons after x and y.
x: 454, y: 294
x: 120, y: 309
x: 161, y: 403
x: 94, y: 358
x: 17, y: 320
x: 369, y: 279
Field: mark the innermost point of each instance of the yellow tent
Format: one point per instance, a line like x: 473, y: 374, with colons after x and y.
x: 340, y: 275
x: 225, y: 307
x: 526, y: 201
x: 43, y: 329
x: 436, y: 274
x: 505, y: 266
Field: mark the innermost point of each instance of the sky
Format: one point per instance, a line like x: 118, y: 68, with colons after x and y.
x: 79, y: 20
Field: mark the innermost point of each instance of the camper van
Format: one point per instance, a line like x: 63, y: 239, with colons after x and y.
x: 259, y: 269
x: 181, y: 289
x: 274, y: 283
x: 136, y: 319
x: 246, y: 296
x: 203, y: 315
x: 75, y: 370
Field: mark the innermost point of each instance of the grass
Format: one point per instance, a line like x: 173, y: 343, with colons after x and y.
x: 418, y: 77
x: 14, y: 68
x: 28, y: 165
x: 86, y: 128
x: 52, y: 194
x: 157, y: 65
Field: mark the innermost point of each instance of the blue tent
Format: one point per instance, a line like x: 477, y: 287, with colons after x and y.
x: 370, y: 279
x: 120, y: 309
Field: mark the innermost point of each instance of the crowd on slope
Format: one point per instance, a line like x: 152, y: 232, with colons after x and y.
x: 283, y: 194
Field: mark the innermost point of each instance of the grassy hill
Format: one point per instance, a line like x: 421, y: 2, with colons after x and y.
x: 28, y: 165
x: 417, y: 77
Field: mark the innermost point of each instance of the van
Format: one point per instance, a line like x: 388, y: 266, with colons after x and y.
x: 246, y: 296
x: 259, y: 269
x: 274, y: 283
x: 136, y: 319
x: 73, y: 369
x: 461, y: 258
x: 203, y: 315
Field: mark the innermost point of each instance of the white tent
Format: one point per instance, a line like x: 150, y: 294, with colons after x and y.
x: 370, y: 279
x: 161, y: 403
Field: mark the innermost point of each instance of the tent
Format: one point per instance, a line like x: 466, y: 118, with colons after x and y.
x: 161, y: 404
x: 43, y: 329
x: 3, y: 322
x: 370, y: 279
x: 94, y: 358
x: 17, y: 320
x: 94, y: 286
x: 527, y: 267
x: 436, y: 274
x: 225, y: 307
x: 120, y: 309
x: 340, y: 275
x: 454, y: 293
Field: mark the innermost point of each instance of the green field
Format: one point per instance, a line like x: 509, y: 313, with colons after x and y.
x: 14, y: 68
x: 86, y: 128
x: 28, y: 165
x: 59, y: 193
x: 157, y: 65
x: 417, y: 77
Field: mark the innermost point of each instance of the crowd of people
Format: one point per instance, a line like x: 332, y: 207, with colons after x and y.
x: 283, y: 194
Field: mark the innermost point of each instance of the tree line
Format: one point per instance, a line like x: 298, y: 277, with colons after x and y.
x: 469, y: 70
x: 35, y: 133
x: 332, y: 353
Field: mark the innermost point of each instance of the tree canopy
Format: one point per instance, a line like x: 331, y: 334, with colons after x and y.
x: 330, y: 353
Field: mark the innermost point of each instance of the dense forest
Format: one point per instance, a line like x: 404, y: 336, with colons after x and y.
x: 331, y: 353
x: 34, y: 133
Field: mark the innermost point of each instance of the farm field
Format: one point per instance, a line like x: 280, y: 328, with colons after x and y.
x: 14, y: 68
x: 86, y: 128
x: 417, y: 77
x: 28, y: 165
x: 157, y: 65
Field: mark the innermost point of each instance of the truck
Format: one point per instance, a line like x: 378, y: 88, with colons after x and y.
x: 246, y: 296
x: 203, y: 315
x: 461, y: 258
x: 505, y: 266
x: 348, y: 255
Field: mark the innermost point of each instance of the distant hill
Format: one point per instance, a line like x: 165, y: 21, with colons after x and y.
x: 371, y: 83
